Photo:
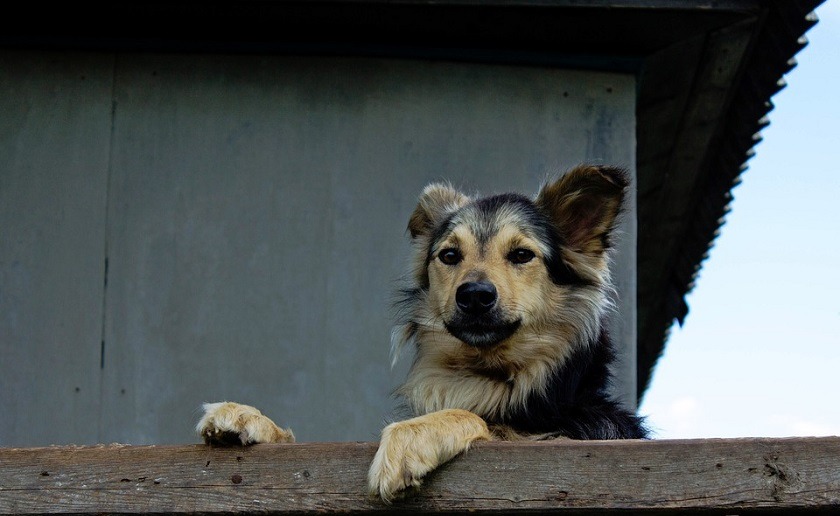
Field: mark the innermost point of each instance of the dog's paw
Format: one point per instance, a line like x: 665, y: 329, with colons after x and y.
x: 411, y: 449
x: 400, y: 462
x: 231, y: 423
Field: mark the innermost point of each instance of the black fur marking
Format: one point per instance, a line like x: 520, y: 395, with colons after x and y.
x: 576, y: 403
x: 437, y: 235
x: 488, y: 208
x: 482, y: 331
x: 403, y: 306
x: 558, y: 270
x: 404, y: 302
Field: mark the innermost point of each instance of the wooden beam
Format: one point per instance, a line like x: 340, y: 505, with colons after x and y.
x: 743, y: 476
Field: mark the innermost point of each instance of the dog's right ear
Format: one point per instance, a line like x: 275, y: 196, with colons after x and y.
x: 584, y: 204
x: 436, y: 202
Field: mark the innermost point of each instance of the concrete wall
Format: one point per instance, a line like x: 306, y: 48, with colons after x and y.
x: 179, y: 229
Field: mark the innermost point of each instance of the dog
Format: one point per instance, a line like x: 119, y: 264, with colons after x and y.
x: 506, y: 309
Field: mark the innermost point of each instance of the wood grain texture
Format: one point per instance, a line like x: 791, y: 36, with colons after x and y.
x: 727, y: 476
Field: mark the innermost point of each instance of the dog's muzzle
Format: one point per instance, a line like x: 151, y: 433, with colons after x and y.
x: 478, y: 321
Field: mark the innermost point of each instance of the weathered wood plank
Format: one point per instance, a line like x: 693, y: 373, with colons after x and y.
x: 720, y: 475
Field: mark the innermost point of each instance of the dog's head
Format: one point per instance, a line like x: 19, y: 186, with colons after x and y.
x: 495, y: 271
x: 505, y: 289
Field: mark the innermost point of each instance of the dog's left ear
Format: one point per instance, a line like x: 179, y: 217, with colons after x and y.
x: 584, y: 204
x: 436, y: 201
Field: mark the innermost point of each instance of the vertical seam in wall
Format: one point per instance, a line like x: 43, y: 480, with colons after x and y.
x: 106, y: 247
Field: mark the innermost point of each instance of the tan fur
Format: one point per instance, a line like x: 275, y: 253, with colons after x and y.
x: 249, y: 425
x: 410, y: 449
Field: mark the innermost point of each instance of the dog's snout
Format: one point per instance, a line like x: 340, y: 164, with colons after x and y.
x: 476, y: 297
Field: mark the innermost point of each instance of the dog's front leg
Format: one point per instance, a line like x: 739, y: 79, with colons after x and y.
x: 410, y: 449
x: 228, y: 423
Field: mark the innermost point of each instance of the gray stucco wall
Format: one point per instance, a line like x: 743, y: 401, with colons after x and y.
x: 250, y: 212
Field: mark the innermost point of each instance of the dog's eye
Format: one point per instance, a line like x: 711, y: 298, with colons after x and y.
x: 520, y: 256
x: 449, y: 256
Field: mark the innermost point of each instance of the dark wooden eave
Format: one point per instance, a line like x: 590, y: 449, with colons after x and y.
x: 688, y: 165
x: 707, y: 71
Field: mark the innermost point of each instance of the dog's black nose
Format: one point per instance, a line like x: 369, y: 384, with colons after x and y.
x: 476, y: 297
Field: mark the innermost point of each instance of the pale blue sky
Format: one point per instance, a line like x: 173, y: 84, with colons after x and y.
x: 759, y: 354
